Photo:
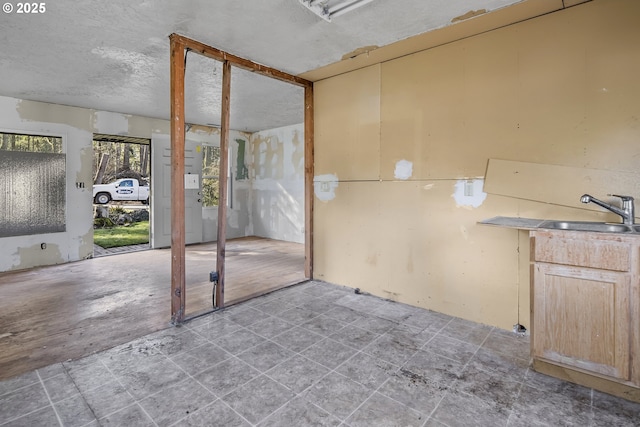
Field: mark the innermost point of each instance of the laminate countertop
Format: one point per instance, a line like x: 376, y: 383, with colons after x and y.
x: 513, y: 222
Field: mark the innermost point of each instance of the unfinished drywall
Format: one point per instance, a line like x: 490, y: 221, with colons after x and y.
x: 239, y: 213
x: 21, y: 252
x: 76, y: 126
x: 539, y: 182
x: 277, y: 186
x: 347, y: 125
x: 560, y: 89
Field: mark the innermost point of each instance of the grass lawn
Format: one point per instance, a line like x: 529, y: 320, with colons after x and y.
x: 134, y: 234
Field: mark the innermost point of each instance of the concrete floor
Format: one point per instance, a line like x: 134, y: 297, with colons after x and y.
x: 312, y: 354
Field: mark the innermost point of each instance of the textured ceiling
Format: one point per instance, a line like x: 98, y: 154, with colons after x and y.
x: 113, y: 55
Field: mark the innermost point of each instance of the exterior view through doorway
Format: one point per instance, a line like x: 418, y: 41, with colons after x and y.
x: 121, y: 194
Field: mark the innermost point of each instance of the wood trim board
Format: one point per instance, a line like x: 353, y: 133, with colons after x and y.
x: 557, y: 184
x: 222, y: 182
x: 219, y: 55
x: 177, y: 182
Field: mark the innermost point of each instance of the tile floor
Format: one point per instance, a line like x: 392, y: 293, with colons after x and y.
x: 99, y: 251
x: 310, y: 355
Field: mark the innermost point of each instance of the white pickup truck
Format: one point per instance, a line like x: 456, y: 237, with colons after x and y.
x: 122, y: 189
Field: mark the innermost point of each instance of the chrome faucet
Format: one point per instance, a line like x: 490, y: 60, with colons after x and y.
x: 627, y: 212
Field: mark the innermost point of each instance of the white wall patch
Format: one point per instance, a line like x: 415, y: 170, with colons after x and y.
x: 111, y: 123
x: 404, y: 170
x: 324, y: 187
x: 468, y: 193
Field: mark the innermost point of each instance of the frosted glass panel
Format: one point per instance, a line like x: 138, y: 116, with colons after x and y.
x: 32, y: 193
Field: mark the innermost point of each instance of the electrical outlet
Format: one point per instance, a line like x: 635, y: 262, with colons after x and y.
x: 468, y: 188
x: 324, y: 186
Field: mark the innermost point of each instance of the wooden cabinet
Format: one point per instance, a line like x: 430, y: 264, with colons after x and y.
x: 585, y: 309
x: 582, y: 318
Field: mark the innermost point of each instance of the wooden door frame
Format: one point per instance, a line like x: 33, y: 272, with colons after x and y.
x: 179, y: 45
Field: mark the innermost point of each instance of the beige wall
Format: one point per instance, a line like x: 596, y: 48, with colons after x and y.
x: 396, y: 142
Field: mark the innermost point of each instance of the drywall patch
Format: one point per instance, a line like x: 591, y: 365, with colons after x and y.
x: 110, y: 123
x: 468, y: 193
x: 33, y: 111
x: 268, y: 157
x: 39, y: 254
x: 297, y: 157
x: 469, y: 15
x: 85, y: 250
x: 324, y: 187
x: 359, y: 51
x: 404, y: 170
x: 85, y: 174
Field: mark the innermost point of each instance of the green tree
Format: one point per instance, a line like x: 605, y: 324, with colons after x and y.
x: 31, y: 143
x: 125, y: 160
x: 210, y: 176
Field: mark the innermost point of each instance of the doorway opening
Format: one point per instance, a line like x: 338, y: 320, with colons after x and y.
x: 121, y: 195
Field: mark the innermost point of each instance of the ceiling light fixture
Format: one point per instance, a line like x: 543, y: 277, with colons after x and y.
x: 327, y: 9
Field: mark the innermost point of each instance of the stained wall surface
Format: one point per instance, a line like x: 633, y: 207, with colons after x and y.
x: 402, y: 148
x: 278, y: 183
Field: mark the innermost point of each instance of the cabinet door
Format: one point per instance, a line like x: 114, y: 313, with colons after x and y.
x: 581, y: 318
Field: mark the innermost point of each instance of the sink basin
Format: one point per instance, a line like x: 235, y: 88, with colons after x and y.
x: 601, y: 227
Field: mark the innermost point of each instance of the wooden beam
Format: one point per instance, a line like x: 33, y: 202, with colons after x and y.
x: 219, y: 55
x: 228, y: 60
x: 222, y: 181
x: 308, y: 181
x: 177, y: 183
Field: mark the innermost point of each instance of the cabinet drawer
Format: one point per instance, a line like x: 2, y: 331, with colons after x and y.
x: 600, y: 254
